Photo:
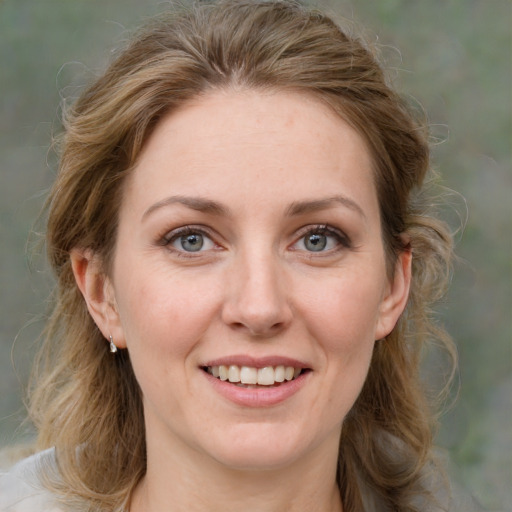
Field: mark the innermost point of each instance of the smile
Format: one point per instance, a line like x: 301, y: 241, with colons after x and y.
x: 251, y: 376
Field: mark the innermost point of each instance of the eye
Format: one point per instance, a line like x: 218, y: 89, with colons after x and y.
x: 321, y: 239
x: 315, y: 242
x: 189, y: 240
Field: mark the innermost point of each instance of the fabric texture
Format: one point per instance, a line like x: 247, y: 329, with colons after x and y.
x: 21, y: 490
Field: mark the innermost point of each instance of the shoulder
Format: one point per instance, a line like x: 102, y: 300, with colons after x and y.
x: 433, y: 490
x: 463, y: 501
x: 21, y: 489
x: 450, y: 499
x: 446, y: 494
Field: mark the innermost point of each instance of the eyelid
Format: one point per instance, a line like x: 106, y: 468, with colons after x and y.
x: 341, y: 237
x: 170, y: 236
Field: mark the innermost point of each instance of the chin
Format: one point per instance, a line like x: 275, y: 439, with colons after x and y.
x: 258, y: 448
x: 256, y: 460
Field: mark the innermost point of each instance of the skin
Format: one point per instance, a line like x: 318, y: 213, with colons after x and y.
x: 272, y: 164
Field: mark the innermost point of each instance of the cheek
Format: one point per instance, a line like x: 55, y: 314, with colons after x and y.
x: 345, y: 311
x: 343, y: 320
x: 163, y: 322
x: 165, y: 313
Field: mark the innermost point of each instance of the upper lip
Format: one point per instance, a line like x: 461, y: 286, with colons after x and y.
x: 256, y: 362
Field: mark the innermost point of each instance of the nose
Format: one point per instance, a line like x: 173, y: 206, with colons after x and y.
x: 257, y: 297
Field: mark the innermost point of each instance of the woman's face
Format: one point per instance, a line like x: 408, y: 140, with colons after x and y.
x: 249, y: 248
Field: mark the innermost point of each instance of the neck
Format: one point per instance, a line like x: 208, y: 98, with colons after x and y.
x: 178, y: 482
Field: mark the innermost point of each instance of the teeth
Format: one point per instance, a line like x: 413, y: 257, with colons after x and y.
x: 223, y: 372
x: 234, y: 373
x: 248, y: 375
x: 266, y: 376
x: 279, y: 374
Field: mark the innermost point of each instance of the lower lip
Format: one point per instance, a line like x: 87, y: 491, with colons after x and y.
x: 264, y: 396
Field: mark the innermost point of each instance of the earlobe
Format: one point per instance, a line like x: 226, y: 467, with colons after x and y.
x: 98, y: 293
x: 395, y: 300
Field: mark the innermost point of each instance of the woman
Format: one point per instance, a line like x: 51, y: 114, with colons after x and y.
x: 245, y: 268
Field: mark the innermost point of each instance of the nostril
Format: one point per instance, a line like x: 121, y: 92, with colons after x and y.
x: 277, y: 326
x: 255, y: 315
x: 266, y: 330
x: 258, y: 328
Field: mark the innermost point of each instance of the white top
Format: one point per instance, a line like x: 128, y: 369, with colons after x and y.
x: 21, y: 490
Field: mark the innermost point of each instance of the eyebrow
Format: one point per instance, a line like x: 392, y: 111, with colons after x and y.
x: 199, y: 204
x: 296, y: 208
x: 303, y: 207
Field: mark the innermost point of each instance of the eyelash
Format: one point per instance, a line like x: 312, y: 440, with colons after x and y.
x: 171, y: 236
x: 325, y: 229
x: 341, y: 238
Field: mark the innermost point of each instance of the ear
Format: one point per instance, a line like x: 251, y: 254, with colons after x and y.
x: 396, y: 295
x: 98, y: 292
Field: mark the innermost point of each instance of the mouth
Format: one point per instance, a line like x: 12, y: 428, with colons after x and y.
x: 252, y: 377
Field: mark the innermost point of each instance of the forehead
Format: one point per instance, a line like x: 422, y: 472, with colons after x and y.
x: 254, y: 142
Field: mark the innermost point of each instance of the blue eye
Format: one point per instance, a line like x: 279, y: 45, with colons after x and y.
x: 315, y: 242
x: 321, y: 239
x: 190, y: 241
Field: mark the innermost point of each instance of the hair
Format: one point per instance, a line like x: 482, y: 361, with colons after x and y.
x: 87, y: 404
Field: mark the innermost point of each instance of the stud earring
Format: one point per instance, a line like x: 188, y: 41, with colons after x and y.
x: 113, y: 347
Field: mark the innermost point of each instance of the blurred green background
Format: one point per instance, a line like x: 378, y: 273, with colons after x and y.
x: 453, y: 56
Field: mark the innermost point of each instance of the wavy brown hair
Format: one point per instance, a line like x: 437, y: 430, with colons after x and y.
x: 87, y: 404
